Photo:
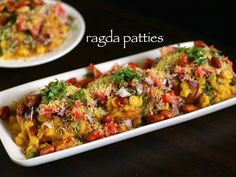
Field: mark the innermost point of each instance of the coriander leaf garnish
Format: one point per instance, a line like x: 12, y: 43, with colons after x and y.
x: 124, y: 75
x: 208, y: 89
x: 196, y: 54
x: 79, y: 95
x: 181, y: 49
x: 55, y: 90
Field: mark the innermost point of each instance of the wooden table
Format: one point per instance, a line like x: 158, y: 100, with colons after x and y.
x: 199, y: 148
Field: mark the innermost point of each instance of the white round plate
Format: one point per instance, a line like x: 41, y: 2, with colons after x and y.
x: 74, y: 37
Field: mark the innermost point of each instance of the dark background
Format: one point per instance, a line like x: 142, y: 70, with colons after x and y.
x: 213, y: 20
x: 203, y: 147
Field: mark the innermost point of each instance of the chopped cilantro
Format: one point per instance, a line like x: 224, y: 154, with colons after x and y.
x: 215, y: 53
x: 144, y: 106
x: 124, y: 75
x: 208, y: 90
x: 181, y: 49
x: 12, y: 18
x: 55, y: 90
x: 136, y: 79
x: 29, y: 40
x: 196, y: 54
x: 31, y: 153
x: 79, y: 95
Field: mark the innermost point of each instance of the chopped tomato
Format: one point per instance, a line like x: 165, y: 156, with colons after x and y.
x: 168, y: 98
x: 48, y: 113
x: 132, y: 65
x: 157, y: 82
x: 2, y: 7
x: 77, y: 112
x: 73, y: 81
x: 21, y: 22
x: 148, y: 64
x: 94, y: 135
x: 200, y: 72
x: 183, y: 60
x: 172, y: 92
x: 77, y: 104
x: 3, y: 20
x: 35, y: 30
x: 83, y: 83
x: 215, y: 62
x: 95, y: 71
x: 10, y: 7
x: 107, y: 119
x: 22, y: 3
x: 10, y: 1
x: 179, y: 70
x: 21, y: 26
x: 76, y: 116
x: 47, y: 150
x: 199, y: 43
x: 59, y: 11
x: 118, y: 101
x: 100, y: 96
x: 111, y: 129
x: 35, y: 3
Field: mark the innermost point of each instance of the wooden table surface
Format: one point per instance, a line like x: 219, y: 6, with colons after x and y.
x: 204, y: 147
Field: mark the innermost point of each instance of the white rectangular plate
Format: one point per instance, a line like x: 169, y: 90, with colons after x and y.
x: 13, y: 94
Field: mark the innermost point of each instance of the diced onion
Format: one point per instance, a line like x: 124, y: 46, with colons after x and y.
x: 122, y: 92
x: 139, y: 89
x: 89, y: 118
x: 128, y: 123
x: 48, y: 124
x: 149, y: 81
